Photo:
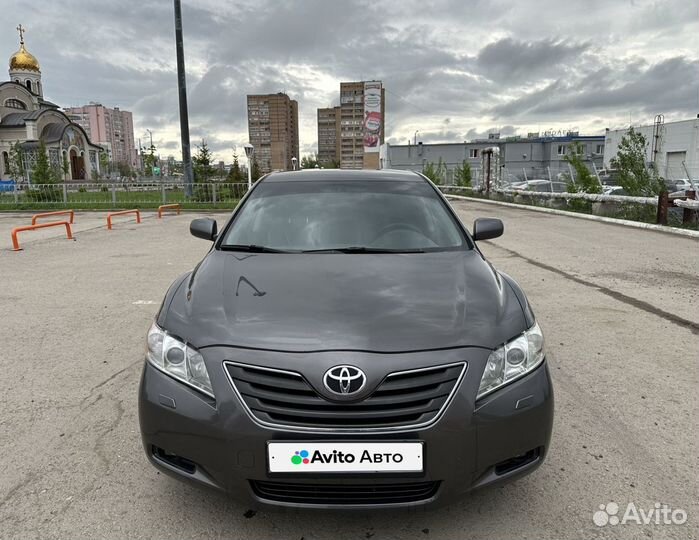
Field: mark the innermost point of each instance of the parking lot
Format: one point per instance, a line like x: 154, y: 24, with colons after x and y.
x: 619, y: 308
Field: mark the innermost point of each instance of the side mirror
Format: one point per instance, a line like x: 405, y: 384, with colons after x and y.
x: 204, y: 228
x: 487, y: 228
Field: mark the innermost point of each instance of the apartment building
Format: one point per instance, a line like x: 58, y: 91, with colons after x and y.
x: 352, y: 133
x: 110, y: 128
x: 328, y: 136
x: 273, y: 129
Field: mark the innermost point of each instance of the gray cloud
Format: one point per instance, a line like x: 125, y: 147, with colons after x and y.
x: 480, y: 63
x: 668, y: 86
x: 513, y: 60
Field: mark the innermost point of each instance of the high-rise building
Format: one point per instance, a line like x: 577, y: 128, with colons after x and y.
x: 361, y: 133
x: 328, y: 136
x: 111, y: 128
x: 273, y: 129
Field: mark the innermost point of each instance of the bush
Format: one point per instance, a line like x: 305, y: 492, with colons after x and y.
x: 203, y: 193
x: 580, y: 205
x: 82, y: 189
x: 45, y: 193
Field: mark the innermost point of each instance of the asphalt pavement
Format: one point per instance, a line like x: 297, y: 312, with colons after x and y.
x: 619, y: 308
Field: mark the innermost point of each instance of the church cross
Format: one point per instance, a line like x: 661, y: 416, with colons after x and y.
x: 21, y: 30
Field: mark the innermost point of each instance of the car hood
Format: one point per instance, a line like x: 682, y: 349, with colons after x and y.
x: 361, y: 302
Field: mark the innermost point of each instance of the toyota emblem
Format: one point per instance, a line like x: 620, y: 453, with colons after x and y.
x: 344, y: 380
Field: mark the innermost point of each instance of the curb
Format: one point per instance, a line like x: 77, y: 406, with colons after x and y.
x: 613, y: 221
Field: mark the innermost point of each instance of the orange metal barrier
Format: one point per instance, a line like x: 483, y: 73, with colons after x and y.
x: 122, y: 213
x: 35, y: 217
x: 162, y: 207
x: 15, y: 242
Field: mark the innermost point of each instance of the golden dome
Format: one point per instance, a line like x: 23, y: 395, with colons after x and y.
x: 23, y: 59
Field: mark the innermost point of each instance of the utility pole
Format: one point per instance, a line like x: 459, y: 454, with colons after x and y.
x: 184, y: 118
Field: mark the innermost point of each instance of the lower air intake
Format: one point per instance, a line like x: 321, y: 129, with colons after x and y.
x: 344, y: 494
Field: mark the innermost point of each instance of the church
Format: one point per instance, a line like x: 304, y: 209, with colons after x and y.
x: 26, y: 117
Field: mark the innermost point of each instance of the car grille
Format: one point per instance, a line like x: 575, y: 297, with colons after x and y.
x: 341, y: 494
x: 280, y: 398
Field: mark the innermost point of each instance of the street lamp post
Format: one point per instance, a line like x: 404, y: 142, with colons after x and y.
x: 182, y: 91
x: 249, y: 153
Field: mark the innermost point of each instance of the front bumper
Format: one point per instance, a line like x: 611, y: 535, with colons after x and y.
x: 474, y: 444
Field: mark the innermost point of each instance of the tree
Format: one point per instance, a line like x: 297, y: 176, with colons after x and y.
x: 201, y: 162
x: 149, y: 161
x: 256, y: 173
x: 435, y: 172
x: 104, y: 163
x: 16, y: 170
x: 124, y: 169
x: 310, y: 162
x: 462, y: 174
x: 635, y: 176
x: 65, y: 166
x: 235, y: 175
x: 44, y: 177
x: 331, y: 164
x: 584, y: 180
x: 43, y: 172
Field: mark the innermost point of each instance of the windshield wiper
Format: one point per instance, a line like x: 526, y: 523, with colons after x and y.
x: 251, y: 248
x: 361, y: 249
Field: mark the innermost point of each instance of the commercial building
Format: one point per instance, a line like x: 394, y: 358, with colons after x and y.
x: 353, y: 133
x: 110, y: 128
x: 329, y: 136
x: 273, y: 129
x: 535, y: 155
x: 669, y: 146
x: 519, y: 158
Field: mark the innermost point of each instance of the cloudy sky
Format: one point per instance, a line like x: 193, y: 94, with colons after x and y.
x: 453, y: 69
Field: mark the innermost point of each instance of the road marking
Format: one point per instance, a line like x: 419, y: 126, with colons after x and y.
x: 144, y: 302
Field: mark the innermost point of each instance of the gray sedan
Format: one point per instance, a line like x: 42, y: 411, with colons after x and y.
x: 345, y: 343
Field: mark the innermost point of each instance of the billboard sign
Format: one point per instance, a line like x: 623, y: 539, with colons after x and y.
x: 372, y: 116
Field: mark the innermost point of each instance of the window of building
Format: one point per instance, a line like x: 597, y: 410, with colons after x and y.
x: 29, y: 85
x: 599, y: 149
x: 15, y: 104
x: 473, y: 152
x: 561, y: 149
x: 582, y: 148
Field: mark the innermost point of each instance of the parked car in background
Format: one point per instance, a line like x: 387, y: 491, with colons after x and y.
x: 614, y: 190
x: 683, y: 184
x: 541, y: 185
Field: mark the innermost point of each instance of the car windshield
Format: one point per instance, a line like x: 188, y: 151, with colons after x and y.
x: 352, y: 217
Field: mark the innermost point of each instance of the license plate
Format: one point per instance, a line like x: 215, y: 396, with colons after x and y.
x: 344, y: 457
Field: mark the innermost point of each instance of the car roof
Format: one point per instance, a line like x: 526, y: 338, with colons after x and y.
x: 342, y: 175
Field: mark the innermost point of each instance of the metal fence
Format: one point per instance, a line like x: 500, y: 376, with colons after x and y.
x: 120, y: 195
x: 644, y: 209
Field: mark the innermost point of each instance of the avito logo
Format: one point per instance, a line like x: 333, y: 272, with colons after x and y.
x: 300, y: 456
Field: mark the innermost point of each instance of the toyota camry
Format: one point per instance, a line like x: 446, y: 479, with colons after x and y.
x: 345, y: 343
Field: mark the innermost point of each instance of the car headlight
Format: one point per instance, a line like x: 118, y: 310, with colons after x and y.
x: 177, y: 359
x: 512, y: 361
